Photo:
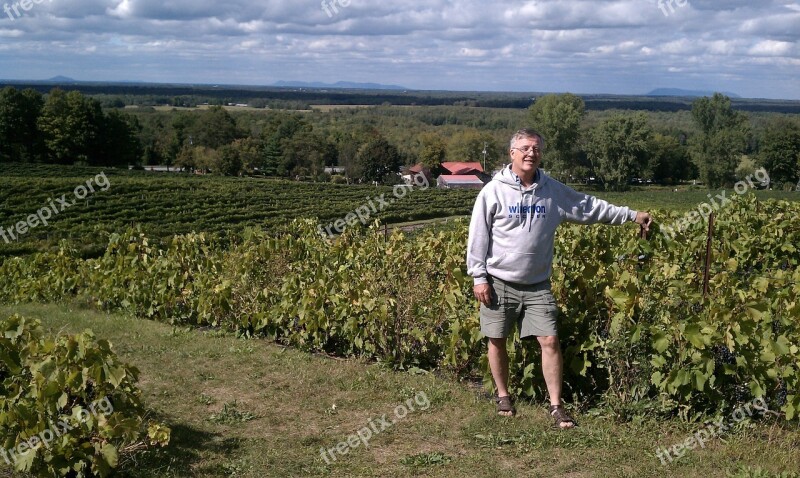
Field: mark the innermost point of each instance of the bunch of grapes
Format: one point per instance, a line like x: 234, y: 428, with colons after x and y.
x: 741, y: 393
x: 602, y: 331
x: 780, y: 396
x: 723, y: 355
x: 746, y: 274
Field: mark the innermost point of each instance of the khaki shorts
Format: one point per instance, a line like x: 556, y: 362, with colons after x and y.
x: 531, y: 307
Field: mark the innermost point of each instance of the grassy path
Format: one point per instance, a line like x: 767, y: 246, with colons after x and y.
x: 250, y: 408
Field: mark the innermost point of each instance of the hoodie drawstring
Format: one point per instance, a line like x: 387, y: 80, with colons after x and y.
x: 529, y: 210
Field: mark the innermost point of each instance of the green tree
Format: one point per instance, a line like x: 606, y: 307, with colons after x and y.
x: 207, y: 160
x: 718, y: 149
x: 558, y: 119
x: 669, y: 161
x: 276, y: 133
x: 432, y: 150
x: 214, y: 127
x: 273, y: 159
x: 348, y: 141
x: 618, y: 149
x: 468, y: 145
x: 172, y: 140
x: 70, y: 124
x: 307, y: 153
x: 230, y: 160
x: 378, y: 160
x: 119, y: 140
x: 746, y: 167
x: 348, y: 159
x: 250, y: 152
x: 19, y: 137
x: 780, y: 151
x: 185, y: 159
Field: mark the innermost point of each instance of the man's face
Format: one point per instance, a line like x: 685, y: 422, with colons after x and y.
x: 526, y: 156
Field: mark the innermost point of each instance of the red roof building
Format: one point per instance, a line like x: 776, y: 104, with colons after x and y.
x: 417, y: 175
x: 462, y: 168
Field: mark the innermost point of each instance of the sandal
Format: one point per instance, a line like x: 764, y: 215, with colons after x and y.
x: 505, y: 405
x: 561, y: 416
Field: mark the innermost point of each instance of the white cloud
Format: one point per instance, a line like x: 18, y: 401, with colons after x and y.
x: 122, y: 10
x: 590, y: 46
x: 772, y: 48
x: 473, y: 52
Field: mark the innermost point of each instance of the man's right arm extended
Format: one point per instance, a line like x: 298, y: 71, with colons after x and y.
x: 480, y: 236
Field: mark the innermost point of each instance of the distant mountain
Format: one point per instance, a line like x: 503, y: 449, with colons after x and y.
x: 338, y: 84
x: 62, y: 79
x: 691, y: 93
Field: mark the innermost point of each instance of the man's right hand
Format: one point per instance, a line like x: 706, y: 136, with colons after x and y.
x: 483, y: 292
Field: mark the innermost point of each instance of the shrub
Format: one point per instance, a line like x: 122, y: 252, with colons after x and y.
x: 636, y: 329
x: 68, y: 406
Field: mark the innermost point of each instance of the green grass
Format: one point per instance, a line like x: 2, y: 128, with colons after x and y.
x: 250, y: 408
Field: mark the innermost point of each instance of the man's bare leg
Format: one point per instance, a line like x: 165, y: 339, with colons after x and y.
x: 498, y: 364
x: 552, y: 368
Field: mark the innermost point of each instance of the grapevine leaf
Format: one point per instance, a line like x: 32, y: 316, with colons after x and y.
x: 660, y: 341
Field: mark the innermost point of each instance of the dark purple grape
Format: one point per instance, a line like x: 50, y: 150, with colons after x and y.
x: 723, y: 355
x: 741, y: 393
x: 780, y: 396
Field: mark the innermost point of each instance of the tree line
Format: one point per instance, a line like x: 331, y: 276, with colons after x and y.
x: 154, y: 94
x: 619, y: 149
x: 65, y: 128
x: 625, y: 146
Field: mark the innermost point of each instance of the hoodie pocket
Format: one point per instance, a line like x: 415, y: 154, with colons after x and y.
x: 518, y: 264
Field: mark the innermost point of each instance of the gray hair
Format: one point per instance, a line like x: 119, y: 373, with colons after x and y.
x: 526, y: 133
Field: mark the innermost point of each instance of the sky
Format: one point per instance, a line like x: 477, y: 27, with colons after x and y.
x: 745, y: 47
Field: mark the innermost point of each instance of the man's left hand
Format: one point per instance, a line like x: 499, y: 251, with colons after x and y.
x: 644, y: 219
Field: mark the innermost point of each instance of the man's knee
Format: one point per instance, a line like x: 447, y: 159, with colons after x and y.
x: 498, y: 343
x: 549, y: 342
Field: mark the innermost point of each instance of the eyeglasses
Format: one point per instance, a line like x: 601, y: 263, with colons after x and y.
x: 528, y: 149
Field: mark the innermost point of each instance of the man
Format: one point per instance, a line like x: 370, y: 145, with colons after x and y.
x: 510, y: 255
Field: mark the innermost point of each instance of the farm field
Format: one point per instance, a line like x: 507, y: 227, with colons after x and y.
x: 293, y: 342
x: 286, y: 398
x: 163, y: 204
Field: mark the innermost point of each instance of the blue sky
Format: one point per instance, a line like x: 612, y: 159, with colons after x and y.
x: 623, y: 47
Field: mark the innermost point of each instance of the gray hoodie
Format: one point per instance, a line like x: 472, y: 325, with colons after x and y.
x: 512, y: 231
